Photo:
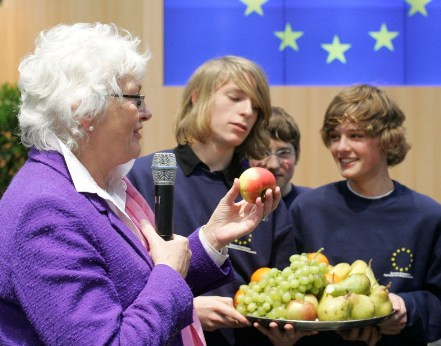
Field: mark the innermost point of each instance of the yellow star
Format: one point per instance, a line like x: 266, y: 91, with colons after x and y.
x: 288, y: 37
x: 418, y: 6
x: 336, y: 50
x: 384, y: 37
x: 254, y: 6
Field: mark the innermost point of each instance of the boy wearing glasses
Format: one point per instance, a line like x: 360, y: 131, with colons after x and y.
x: 283, y: 153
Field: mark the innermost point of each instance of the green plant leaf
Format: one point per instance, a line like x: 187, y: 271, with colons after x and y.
x: 12, y: 153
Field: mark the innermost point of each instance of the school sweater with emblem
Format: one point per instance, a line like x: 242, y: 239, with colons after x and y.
x: 197, y: 192
x: 401, y: 233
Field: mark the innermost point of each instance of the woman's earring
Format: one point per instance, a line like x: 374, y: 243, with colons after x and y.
x: 91, y: 128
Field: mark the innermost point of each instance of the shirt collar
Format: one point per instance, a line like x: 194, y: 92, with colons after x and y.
x: 188, y: 161
x: 368, y: 197
x: 84, y: 182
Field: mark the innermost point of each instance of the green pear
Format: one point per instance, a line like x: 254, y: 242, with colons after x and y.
x: 358, y: 266
x: 333, y: 308
x: 356, y: 283
x: 370, y: 274
x: 323, y: 296
x: 384, y: 309
x: 379, y: 294
x: 380, y: 297
x: 361, y: 307
x: 341, y: 270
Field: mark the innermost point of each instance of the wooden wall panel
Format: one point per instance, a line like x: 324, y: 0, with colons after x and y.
x: 21, y: 20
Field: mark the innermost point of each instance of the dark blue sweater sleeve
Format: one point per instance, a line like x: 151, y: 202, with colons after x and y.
x: 424, y: 305
x: 284, y: 243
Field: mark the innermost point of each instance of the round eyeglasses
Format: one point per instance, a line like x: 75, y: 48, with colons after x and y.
x: 281, y: 154
x: 139, y: 100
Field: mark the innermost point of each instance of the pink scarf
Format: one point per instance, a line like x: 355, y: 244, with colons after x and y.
x: 138, y: 209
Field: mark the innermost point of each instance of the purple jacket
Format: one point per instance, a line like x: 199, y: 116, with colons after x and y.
x: 72, y: 273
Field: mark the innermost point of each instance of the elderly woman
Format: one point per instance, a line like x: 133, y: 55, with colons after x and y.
x: 80, y: 262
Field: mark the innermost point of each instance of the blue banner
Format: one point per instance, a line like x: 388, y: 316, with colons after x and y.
x: 308, y: 42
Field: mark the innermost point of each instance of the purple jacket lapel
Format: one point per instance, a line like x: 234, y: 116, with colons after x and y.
x: 120, y: 227
x: 56, y: 161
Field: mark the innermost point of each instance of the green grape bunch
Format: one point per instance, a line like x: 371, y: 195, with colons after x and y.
x: 270, y: 296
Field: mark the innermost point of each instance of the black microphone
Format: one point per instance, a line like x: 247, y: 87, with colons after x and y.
x: 164, y: 173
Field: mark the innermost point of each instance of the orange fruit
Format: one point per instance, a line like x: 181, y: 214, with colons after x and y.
x: 259, y: 274
x: 318, y: 256
x: 238, y: 293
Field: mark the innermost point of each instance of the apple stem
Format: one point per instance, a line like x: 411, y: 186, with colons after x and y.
x: 263, y: 196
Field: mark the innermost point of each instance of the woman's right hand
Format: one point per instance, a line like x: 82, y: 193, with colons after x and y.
x: 232, y: 220
x: 174, y: 253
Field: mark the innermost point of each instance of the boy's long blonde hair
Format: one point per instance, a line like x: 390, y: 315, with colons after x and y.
x: 193, y: 118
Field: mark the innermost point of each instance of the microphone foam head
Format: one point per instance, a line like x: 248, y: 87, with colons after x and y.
x: 164, y: 168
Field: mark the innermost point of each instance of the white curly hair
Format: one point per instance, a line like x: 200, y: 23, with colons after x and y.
x: 70, y: 76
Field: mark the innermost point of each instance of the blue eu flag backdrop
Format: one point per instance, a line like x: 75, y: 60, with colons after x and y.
x: 308, y: 42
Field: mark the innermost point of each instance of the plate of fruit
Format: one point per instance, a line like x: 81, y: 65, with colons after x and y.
x: 320, y: 325
x: 310, y: 294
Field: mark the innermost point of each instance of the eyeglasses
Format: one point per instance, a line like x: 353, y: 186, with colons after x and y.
x: 139, y: 100
x: 281, y: 154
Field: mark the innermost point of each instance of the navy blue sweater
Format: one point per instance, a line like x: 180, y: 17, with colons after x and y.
x: 197, y: 193
x: 400, y: 232
x: 292, y: 195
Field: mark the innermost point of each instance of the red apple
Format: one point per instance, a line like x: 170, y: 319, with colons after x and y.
x: 253, y: 183
x: 301, y: 310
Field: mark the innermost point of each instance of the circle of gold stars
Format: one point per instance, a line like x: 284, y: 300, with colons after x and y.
x: 245, y: 240
x: 401, y: 252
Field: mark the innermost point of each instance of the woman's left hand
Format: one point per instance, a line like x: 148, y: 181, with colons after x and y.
x: 233, y: 220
